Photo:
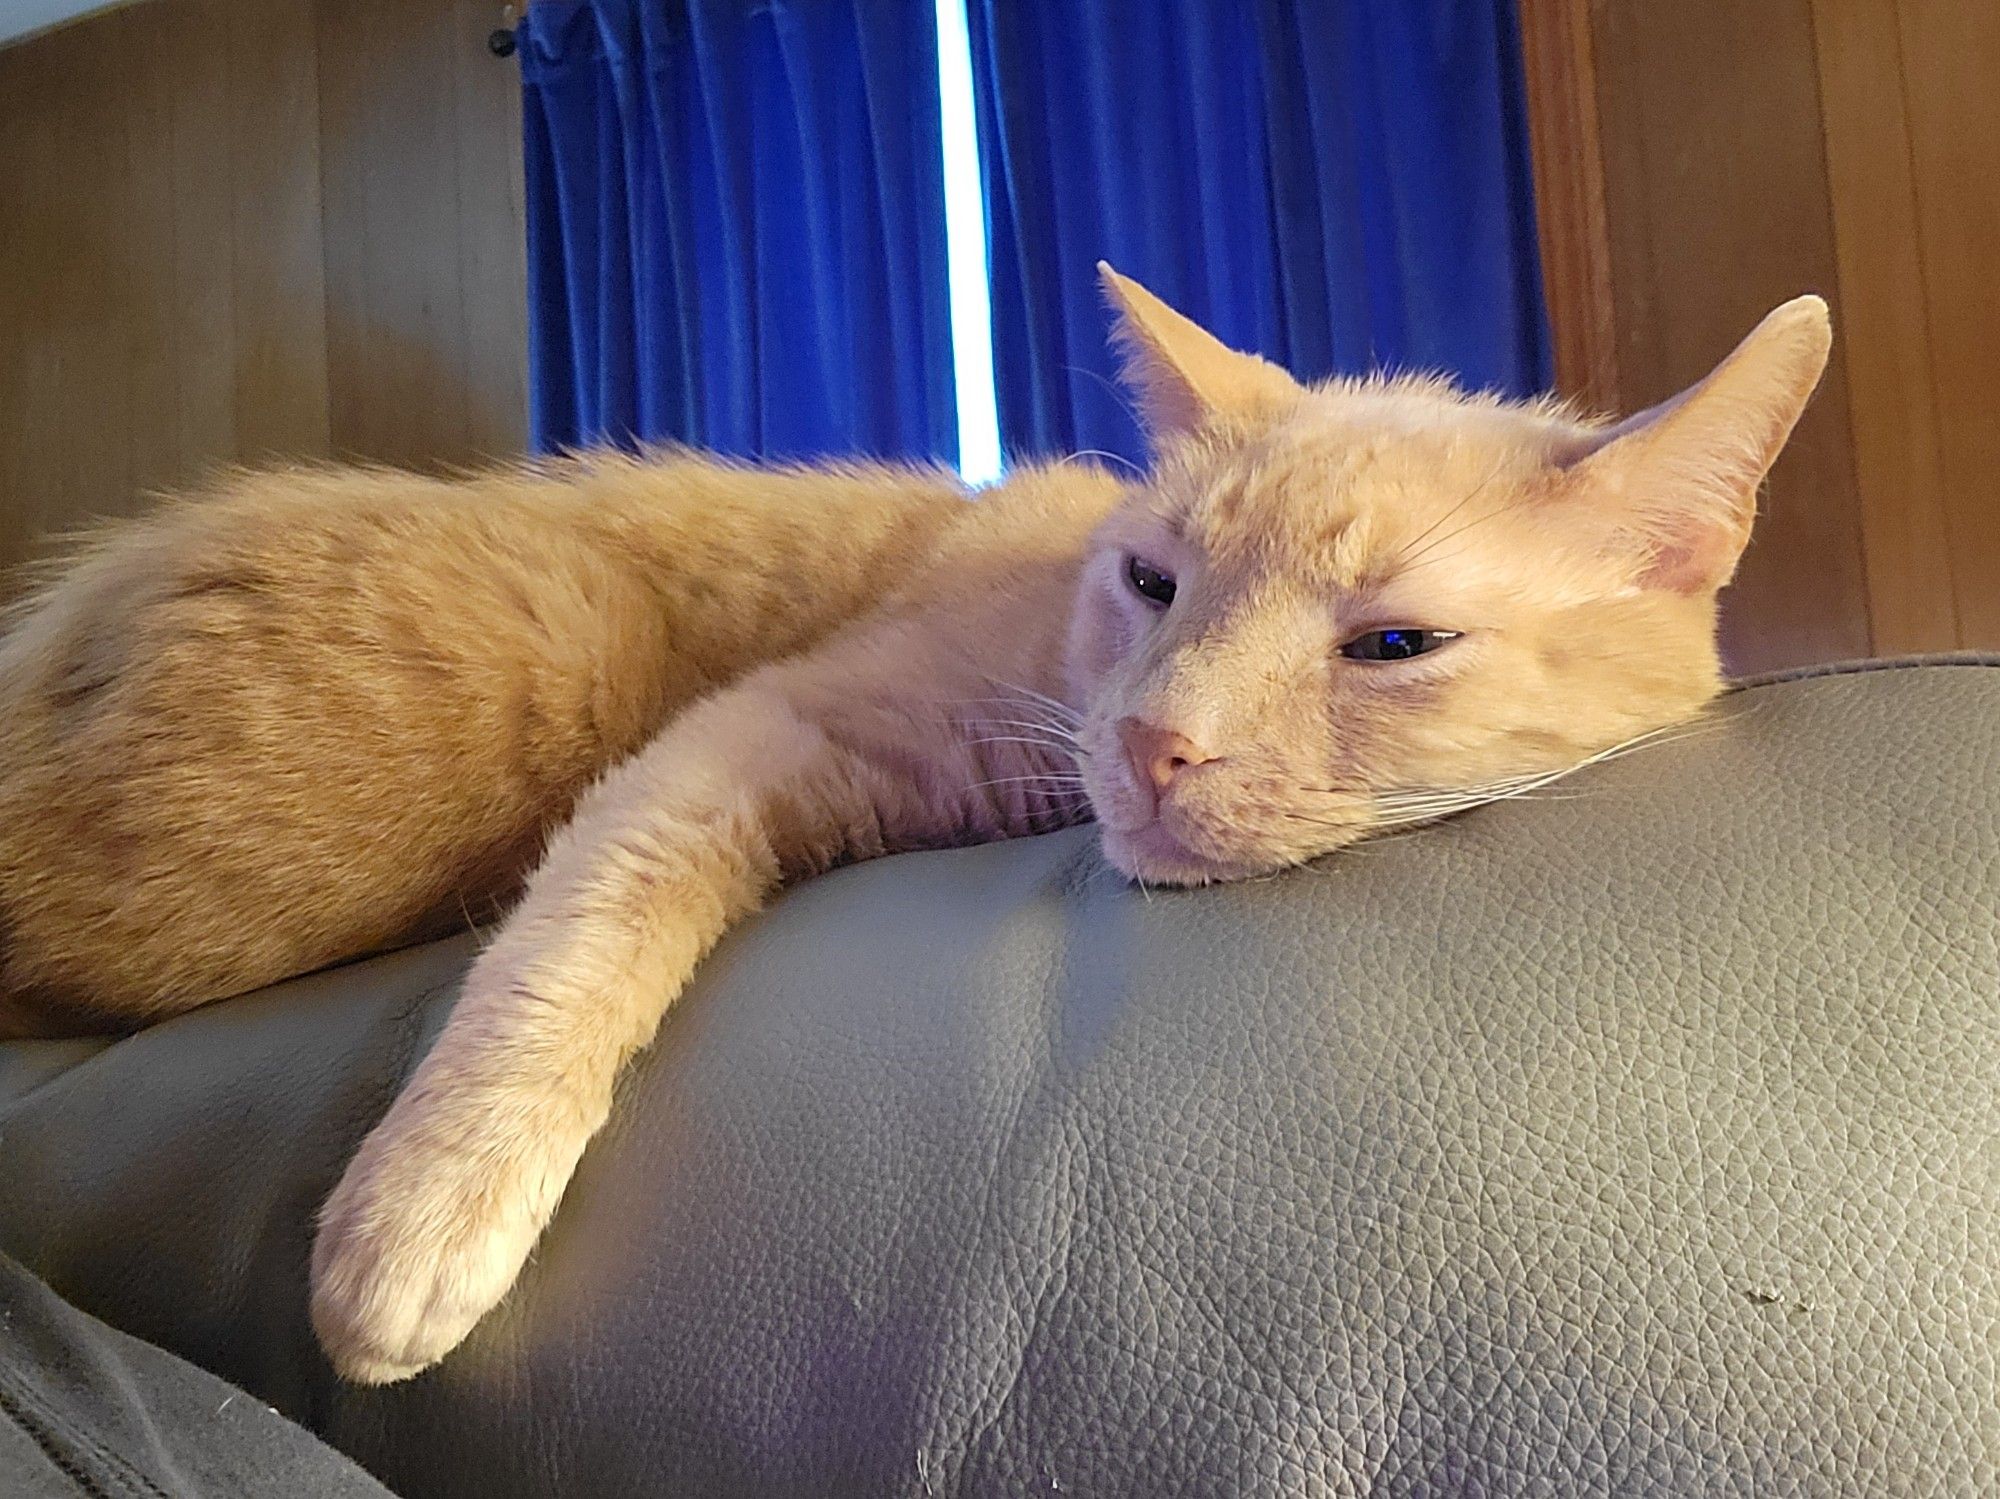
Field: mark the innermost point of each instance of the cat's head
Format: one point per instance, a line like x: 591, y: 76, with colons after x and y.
x: 1333, y: 609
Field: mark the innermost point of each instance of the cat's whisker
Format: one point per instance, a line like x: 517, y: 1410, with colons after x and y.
x: 1075, y: 782
x: 1341, y: 823
x: 1051, y: 745
x: 1467, y: 796
x: 1432, y: 804
x: 1119, y: 458
x: 1019, y: 702
x: 1020, y: 689
x: 480, y: 940
x: 1033, y: 713
x: 1039, y: 724
x: 1449, y: 807
x: 1055, y: 703
x: 1476, y: 796
x: 1406, y: 560
x: 1404, y: 551
x: 1124, y: 401
x: 1019, y: 723
x: 1429, y: 554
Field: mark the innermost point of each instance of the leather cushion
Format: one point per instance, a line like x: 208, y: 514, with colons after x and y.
x: 1639, y: 1139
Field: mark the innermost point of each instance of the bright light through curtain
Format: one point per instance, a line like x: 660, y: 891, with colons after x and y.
x: 1341, y: 185
x: 736, y: 226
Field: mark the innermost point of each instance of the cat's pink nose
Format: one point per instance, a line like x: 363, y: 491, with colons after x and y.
x: 1158, y: 755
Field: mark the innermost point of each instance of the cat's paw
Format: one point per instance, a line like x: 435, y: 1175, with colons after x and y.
x: 421, y: 1239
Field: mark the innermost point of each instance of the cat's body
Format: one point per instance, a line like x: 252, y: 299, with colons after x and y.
x: 1324, y: 612
x: 323, y: 712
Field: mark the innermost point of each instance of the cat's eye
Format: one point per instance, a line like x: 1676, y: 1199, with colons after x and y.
x: 1395, y: 645
x: 1149, y: 582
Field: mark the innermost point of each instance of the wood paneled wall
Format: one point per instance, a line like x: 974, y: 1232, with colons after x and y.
x: 420, y: 173
x: 1911, y: 90
x: 1698, y: 163
x: 232, y: 230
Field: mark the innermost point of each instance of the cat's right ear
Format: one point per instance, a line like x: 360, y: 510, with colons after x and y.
x: 1183, y: 375
x: 1676, y: 486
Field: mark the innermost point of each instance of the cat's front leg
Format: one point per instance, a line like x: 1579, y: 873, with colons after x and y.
x: 437, y: 1212
x: 439, y: 1209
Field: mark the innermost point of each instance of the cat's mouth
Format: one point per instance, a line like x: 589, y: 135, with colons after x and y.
x: 1152, y: 853
x: 1153, y: 856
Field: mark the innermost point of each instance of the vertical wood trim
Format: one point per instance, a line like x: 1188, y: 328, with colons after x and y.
x: 492, y: 235
x: 1559, y: 60
x: 1884, y: 324
x: 1951, y: 56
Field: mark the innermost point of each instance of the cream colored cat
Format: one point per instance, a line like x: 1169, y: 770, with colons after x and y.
x: 1324, y: 612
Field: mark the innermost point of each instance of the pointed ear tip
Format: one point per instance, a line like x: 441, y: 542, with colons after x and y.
x: 1808, y: 314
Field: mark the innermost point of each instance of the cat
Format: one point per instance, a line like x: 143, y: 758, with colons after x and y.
x: 1321, y: 612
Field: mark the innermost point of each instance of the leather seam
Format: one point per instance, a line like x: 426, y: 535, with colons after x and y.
x: 1861, y: 668
x: 64, y: 1445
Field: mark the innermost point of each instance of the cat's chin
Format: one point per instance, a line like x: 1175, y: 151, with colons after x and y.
x: 1153, y: 856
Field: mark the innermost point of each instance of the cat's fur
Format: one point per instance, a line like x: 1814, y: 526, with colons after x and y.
x: 324, y: 712
x: 1007, y: 678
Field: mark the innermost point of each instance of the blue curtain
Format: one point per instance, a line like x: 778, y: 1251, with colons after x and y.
x: 736, y: 226
x: 1341, y: 185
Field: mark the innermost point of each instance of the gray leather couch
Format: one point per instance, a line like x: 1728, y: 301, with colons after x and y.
x: 1643, y: 1139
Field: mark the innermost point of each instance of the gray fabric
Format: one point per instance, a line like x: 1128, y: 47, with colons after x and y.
x: 87, y: 1411
x: 1644, y: 1139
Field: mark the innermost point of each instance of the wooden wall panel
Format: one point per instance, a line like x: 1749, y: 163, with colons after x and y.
x: 278, y: 291
x: 1755, y: 149
x: 1951, y: 72
x: 1885, y: 326
x: 392, y: 311
x: 238, y: 229
x: 1558, y: 50
x: 424, y: 250
x: 161, y: 277
x: 492, y: 233
x: 1716, y: 199
x: 160, y: 296
x: 201, y: 241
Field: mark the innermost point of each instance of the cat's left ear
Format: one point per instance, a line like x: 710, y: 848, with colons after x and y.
x: 1679, y: 482
x: 1183, y: 375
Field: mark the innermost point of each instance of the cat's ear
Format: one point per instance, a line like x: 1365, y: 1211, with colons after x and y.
x: 1680, y: 481
x: 1183, y: 375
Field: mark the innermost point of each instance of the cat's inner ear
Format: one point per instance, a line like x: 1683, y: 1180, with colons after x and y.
x: 1183, y: 375
x: 1678, y: 483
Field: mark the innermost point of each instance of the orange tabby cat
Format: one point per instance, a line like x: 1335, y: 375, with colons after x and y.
x: 1326, y: 610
